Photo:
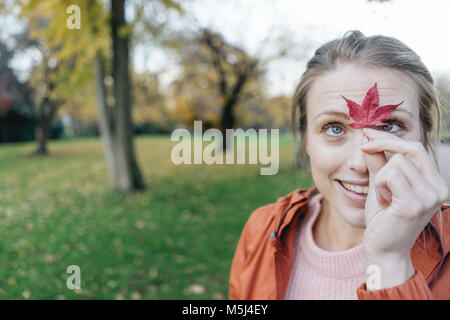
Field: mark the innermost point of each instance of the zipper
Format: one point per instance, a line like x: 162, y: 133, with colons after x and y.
x: 274, y: 235
x: 285, y: 214
x: 438, y: 266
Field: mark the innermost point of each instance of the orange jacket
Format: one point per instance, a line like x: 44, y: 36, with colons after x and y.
x: 263, y: 259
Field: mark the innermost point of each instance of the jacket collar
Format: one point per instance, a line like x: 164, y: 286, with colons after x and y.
x: 429, y: 257
x: 288, y: 207
x: 444, y: 235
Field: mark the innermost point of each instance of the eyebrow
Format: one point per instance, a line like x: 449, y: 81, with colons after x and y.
x: 346, y: 116
x: 333, y: 113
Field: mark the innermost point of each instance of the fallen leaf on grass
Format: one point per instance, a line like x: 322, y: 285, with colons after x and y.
x: 196, y: 289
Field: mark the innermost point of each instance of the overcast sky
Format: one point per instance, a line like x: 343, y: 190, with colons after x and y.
x: 422, y: 25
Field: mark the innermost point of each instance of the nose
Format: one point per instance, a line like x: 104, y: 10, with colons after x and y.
x: 356, y: 161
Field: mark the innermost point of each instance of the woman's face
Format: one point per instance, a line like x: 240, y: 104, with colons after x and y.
x: 338, y: 165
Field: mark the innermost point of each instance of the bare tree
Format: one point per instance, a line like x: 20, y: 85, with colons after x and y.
x: 234, y: 68
x: 39, y: 90
x: 115, y: 121
x: 45, y: 107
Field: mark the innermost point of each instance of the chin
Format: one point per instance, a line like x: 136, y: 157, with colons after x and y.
x: 352, y: 212
x: 359, y: 223
x: 354, y: 216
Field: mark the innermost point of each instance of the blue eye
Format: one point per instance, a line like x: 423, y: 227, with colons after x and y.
x: 390, y: 127
x: 334, y: 131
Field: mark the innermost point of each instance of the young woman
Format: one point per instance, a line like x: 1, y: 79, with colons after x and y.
x: 374, y: 225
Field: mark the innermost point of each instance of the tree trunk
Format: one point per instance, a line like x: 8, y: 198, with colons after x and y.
x: 76, y: 127
x: 44, y: 117
x: 227, y: 122
x: 128, y: 174
x: 105, y: 121
x: 42, y: 133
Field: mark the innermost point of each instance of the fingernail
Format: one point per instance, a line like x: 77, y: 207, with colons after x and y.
x: 366, y: 145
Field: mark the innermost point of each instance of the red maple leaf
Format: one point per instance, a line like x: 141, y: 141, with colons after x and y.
x: 369, y: 114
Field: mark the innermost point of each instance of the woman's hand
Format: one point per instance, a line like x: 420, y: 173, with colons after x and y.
x: 404, y: 194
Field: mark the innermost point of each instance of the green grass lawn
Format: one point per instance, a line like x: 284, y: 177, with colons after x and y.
x: 173, y: 241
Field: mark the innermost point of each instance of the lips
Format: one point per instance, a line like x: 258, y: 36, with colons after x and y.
x: 355, y: 191
x: 363, y: 190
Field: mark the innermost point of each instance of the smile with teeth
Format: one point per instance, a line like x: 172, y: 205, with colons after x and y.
x: 364, y: 190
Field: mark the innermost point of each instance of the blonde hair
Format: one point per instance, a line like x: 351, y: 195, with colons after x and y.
x: 375, y: 51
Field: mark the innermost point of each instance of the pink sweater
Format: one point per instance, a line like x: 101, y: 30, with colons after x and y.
x: 320, y: 274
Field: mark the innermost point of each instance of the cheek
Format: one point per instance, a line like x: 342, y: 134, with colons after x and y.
x: 325, y: 159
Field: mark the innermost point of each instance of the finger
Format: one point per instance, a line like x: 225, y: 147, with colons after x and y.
x: 415, y: 178
x: 374, y: 162
x: 423, y: 188
x: 373, y: 133
x: 393, y: 178
x: 412, y: 149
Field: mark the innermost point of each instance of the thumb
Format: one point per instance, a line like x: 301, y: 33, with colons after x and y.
x: 375, y: 161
